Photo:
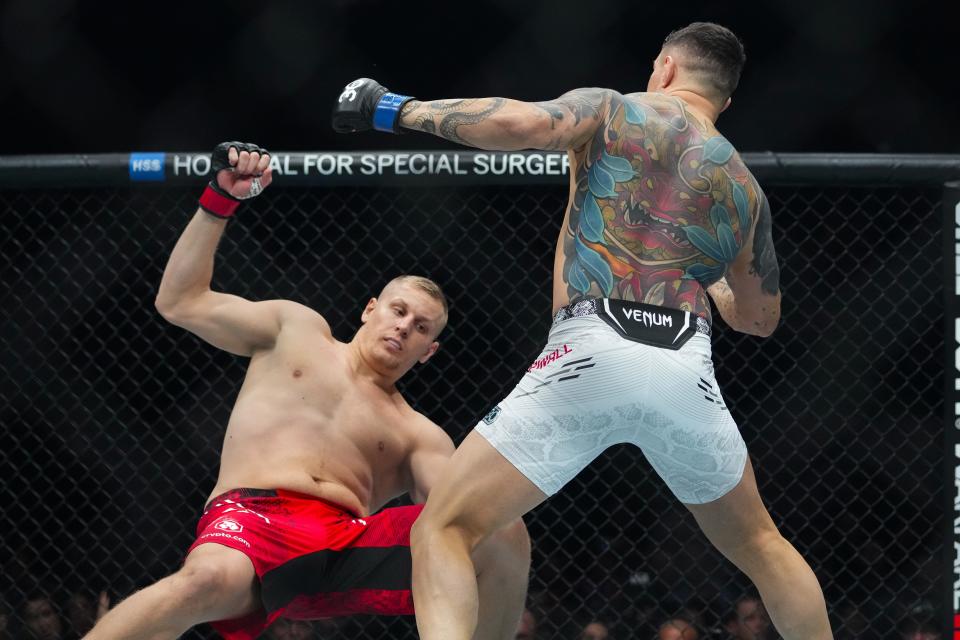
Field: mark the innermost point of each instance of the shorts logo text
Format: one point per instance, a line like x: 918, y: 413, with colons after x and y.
x: 225, y: 535
x: 553, y: 356
x: 648, y: 319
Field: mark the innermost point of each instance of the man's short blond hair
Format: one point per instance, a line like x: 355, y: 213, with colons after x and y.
x: 426, y: 285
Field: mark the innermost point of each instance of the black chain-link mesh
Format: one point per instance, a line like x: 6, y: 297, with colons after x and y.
x: 112, y: 419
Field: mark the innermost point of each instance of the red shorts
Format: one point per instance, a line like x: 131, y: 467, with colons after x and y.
x: 314, y: 559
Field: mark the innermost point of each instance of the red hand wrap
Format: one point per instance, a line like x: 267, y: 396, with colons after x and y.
x: 218, y: 204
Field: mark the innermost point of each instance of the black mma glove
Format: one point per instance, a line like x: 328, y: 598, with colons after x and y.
x: 365, y: 104
x: 215, y: 200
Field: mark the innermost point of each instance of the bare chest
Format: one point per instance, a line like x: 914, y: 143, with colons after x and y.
x: 349, y: 415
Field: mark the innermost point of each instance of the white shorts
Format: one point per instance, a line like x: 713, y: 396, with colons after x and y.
x: 590, y: 388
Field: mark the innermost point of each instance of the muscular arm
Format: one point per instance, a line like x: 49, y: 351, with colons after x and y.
x: 748, y: 298
x: 430, y: 455
x: 507, y: 125
x: 226, y: 321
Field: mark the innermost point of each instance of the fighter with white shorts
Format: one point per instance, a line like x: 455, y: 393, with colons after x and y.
x: 663, y: 216
x: 593, y: 387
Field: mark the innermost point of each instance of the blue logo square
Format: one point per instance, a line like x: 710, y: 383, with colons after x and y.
x: 147, y: 167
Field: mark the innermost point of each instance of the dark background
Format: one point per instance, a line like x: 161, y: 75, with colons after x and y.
x: 112, y: 419
x: 83, y: 77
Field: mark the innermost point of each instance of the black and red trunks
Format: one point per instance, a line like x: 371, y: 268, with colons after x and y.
x: 314, y: 559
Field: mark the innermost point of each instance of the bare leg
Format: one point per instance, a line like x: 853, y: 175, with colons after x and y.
x: 480, y: 493
x: 502, y: 562
x: 215, y: 583
x: 740, y: 528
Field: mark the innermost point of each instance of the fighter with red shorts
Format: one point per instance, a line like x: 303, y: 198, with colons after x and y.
x: 319, y: 439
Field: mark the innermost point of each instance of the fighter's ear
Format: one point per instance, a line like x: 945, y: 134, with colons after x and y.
x: 669, y: 71
x: 367, y: 310
x: 432, y: 349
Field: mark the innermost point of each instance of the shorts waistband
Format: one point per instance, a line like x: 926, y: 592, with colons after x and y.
x: 240, y: 494
x: 591, y: 307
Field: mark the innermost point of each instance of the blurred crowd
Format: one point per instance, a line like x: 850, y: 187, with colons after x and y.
x: 40, y: 616
x: 743, y: 619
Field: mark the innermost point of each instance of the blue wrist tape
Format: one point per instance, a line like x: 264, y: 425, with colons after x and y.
x: 387, y: 111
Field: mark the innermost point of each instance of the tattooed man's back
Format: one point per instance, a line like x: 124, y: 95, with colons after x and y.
x: 663, y: 217
x: 660, y: 205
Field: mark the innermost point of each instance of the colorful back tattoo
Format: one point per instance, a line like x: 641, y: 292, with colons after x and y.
x: 661, y: 207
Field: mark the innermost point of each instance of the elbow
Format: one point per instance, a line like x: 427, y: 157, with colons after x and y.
x: 166, y: 301
x: 764, y: 330
x: 172, y: 309
x: 174, y: 303
x: 759, y: 329
x: 166, y: 308
x: 761, y: 324
x: 764, y: 325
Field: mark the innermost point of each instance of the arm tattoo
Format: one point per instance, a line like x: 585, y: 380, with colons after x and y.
x: 582, y: 103
x: 451, y: 114
x: 764, y: 263
x: 425, y: 123
x: 439, y: 108
x: 556, y: 113
x: 456, y: 118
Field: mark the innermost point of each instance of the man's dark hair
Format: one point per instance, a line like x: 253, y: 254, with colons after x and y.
x: 713, y: 53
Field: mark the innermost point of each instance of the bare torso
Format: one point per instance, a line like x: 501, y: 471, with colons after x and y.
x: 660, y: 203
x: 305, y: 421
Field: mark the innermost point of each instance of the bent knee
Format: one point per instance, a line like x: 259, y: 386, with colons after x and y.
x: 201, y: 583
x: 423, y: 529
x: 201, y: 577
x: 757, y: 544
x: 429, y: 529
x: 513, y: 538
x: 508, y: 546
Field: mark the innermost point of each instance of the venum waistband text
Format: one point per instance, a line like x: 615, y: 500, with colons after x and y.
x: 648, y: 319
